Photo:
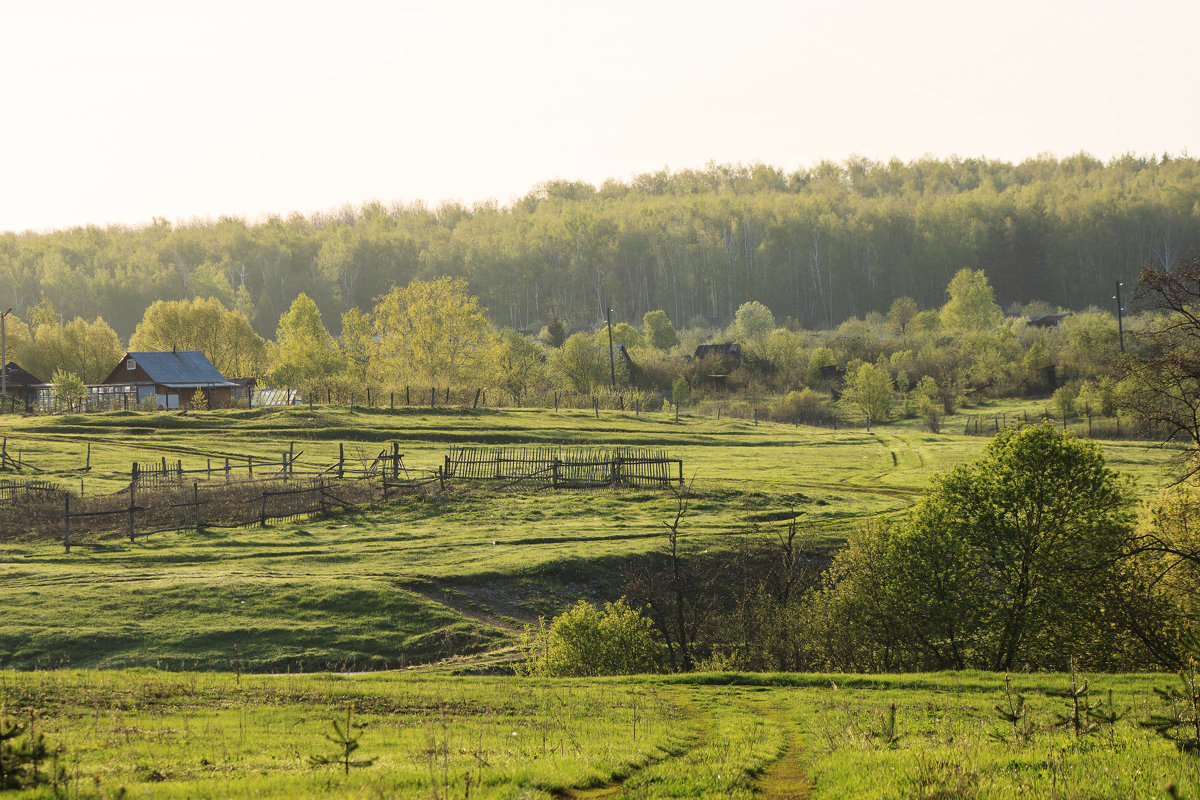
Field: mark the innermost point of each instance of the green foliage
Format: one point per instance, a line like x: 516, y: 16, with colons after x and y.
x: 752, y: 321
x: 225, y: 337
x: 69, y: 388
x: 345, y: 735
x: 1080, y: 713
x: 1063, y: 401
x: 24, y: 754
x: 659, y: 332
x: 305, y: 353
x: 1008, y: 560
x: 522, y: 363
x: 585, y: 641
x: 556, y: 331
x: 1179, y: 720
x: 869, y: 391
x: 902, y: 312
x: 681, y: 392
x: 433, y: 333
x: 87, y: 349
x: 972, y: 304
x: 1015, y: 712
x: 579, y: 365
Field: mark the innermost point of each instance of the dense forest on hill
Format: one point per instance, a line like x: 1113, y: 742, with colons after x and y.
x: 816, y: 246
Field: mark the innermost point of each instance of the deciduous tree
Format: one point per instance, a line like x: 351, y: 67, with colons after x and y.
x: 433, y: 333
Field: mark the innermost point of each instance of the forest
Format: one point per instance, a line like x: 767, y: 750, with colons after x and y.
x: 817, y: 245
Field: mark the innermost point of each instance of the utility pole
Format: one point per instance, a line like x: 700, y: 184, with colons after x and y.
x: 1120, y: 325
x: 612, y: 363
x: 3, y: 357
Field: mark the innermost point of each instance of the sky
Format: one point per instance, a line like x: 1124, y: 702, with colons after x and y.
x: 122, y: 112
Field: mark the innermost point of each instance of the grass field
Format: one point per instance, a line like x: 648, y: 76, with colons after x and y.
x: 446, y: 580
x: 420, y: 579
x: 152, y: 734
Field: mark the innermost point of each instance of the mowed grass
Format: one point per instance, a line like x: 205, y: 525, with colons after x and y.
x: 421, y: 579
x: 149, y: 733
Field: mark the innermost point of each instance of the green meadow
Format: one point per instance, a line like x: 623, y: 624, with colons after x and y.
x: 154, y: 734
x: 212, y: 663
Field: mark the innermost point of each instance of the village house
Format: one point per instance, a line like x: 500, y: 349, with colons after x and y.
x: 171, y: 378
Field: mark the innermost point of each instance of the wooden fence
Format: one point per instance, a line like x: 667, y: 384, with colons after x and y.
x: 132, y: 513
x: 564, y: 468
x: 14, y: 491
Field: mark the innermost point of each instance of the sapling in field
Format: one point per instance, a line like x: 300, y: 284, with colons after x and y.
x: 345, y: 736
x: 1014, y: 711
x: 21, y: 759
x: 1107, y: 716
x: 1180, y: 720
x: 1079, y: 720
x: 887, y: 734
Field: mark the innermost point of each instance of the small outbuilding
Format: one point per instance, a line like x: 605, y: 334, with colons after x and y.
x: 20, y: 386
x: 171, y: 378
x: 728, y: 353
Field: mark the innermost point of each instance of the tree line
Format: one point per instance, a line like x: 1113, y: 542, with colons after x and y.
x: 816, y: 245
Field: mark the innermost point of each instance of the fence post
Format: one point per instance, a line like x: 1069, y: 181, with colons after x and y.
x: 196, y: 505
x: 88, y: 464
x: 179, y: 472
x: 441, y: 480
x: 368, y: 397
x: 132, y: 506
x: 432, y: 396
x: 596, y: 406
x: 554, y: 474
x: 66, y: 521
x: 321, y: 491
x: 477, y: 392
x: 208, y: 467
x: 447, y: 394
x: 341, y: 458
x: 263, y: 511
x: 396, y: 460
x: 227, y: 469
x: 407, y: 401
x: 250, y: 466
x: 393, y: 402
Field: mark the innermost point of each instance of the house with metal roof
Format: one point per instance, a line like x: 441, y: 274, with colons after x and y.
x: 171, y: 378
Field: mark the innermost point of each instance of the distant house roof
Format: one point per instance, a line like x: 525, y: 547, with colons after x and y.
x: 16, y: 377
x: 179, y: 369
x: 1048, y: 320
x: 721, y: 350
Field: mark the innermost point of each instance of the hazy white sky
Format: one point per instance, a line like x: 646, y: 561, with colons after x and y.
x: 118, y: 112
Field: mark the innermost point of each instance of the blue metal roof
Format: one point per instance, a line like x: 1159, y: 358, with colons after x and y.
x: 189, y: 367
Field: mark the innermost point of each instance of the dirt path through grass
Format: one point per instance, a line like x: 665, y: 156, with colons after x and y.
x: 784, y: 779
x: 702, y: 722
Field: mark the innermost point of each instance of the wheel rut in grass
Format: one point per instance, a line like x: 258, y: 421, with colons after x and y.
x: 702, y: 723
x: 784, y: 778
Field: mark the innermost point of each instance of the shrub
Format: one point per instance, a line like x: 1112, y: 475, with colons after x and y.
x: 586, y: 640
